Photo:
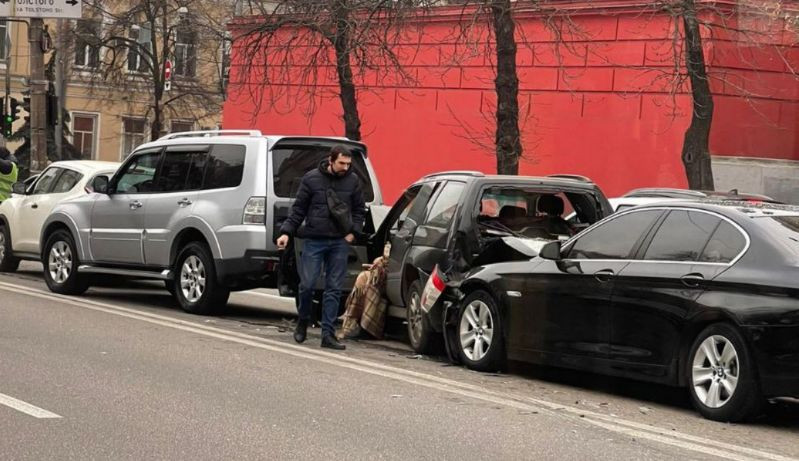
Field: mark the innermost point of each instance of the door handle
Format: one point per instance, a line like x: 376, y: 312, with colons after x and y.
x: 184, y: 202
x: 135, y: 205
x: 34, y: 206
x: 692, y: 280
x: 604, y: 275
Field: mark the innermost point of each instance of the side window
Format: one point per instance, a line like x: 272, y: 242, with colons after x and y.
x: 614, y: 239
x: 137, y: 176
x: 46, y: 180
x: 225, y: 166
x: 682, y: 236
x: 173, y: 175
x: 446, y: 204
x: 725, y: 244
x: 66, y: 181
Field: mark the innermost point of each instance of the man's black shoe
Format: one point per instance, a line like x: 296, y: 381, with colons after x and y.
x: 301, y: 331
x: 330, y: 342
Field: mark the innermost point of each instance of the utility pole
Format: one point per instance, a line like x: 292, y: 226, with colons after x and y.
x: 59, y: 89
x: 38, y: 86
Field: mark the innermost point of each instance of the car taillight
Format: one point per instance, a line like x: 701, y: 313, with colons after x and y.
x: 432, y: 289
x: 254, y: 211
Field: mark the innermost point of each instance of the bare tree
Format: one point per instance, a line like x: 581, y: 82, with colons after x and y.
x: 296, y: 42
x: 129, y: 44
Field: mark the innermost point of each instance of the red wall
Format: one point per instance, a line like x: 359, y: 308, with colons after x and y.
x: 605, y: 108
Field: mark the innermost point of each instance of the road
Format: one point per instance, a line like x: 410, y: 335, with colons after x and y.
x: 121, y: 373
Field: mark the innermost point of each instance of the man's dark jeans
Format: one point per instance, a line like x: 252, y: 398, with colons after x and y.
x: 316, y: 254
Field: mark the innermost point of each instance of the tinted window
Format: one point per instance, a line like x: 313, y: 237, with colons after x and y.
x: 725, y: 244
x: 443, y: 211
x: 290, y: 163
x: 614, y: 239
x: 46, y: 181
x: 137, y: 176
x: 66, y: 181
x: 225, y: 166
x: 173, y: 175
x: 682, y: 236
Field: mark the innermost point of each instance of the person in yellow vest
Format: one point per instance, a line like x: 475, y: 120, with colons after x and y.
x: 8, y: 173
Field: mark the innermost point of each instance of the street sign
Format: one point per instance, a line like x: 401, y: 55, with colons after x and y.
x: 65, y: 9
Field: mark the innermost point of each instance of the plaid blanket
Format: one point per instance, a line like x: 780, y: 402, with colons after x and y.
x: 366, y: 306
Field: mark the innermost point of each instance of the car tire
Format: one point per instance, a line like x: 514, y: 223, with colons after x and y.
x: 423, y: 338
x: 727, y: 390
x: 60, y: 263
x: 196, y: 287
x: 480, y: 338
x: 8, y: 263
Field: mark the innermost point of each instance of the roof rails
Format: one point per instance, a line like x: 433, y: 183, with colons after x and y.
x: 207, y: 133
x: 576, y: 177
x: 456, y: 172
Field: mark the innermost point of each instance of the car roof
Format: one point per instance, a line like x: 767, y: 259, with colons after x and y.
x: 570, y: 181
x: 193, y: 137
x: 732, y: 207
x: 87, y: 166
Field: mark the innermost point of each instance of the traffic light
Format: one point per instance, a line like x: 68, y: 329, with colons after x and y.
x: 8, y: 120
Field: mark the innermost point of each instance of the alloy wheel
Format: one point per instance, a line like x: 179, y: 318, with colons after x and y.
x: 415, y: 317
x: 59, y: 263
x: 192, y: 279
x: 476, y: 330
x: 715, y: 371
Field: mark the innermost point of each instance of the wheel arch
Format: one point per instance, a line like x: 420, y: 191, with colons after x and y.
x: 61, y: 222
x: 692, y: 330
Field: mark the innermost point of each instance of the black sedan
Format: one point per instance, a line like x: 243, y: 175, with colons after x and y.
x: 698, y: 294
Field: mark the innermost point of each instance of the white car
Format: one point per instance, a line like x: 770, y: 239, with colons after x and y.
x: 24, y: 213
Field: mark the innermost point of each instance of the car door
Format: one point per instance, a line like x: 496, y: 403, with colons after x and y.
x: 176, y: 187
x: 33, y: 210
x: 117, y: 221
x: 565, y: 304
x: 402, y: 239
x: 655, y: 293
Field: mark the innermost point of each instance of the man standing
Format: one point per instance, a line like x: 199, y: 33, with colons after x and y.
x: 8, y: 173
x: 326, y: 243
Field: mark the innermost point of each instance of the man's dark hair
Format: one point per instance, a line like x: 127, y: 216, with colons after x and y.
x: 339, y: 149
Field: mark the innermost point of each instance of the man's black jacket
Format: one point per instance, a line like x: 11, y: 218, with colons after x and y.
x: 310, y: 216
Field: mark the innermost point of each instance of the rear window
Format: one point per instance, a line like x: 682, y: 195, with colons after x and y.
x: 785, y: 230
x: 290, y: 163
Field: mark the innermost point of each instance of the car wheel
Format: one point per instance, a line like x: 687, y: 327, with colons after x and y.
x: 196, y: 287
x: 423, y: 338
x: 61, y: 265
x: 721, y: 375
x: 8, y: 263
x: 481, y: 344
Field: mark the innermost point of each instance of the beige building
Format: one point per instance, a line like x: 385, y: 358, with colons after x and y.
x: 108, y: 76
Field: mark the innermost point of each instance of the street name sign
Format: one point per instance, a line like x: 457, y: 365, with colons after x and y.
x: 64, y: 9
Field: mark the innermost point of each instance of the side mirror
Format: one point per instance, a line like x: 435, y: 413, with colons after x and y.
x: 19, y: 188
x: 100, y: 184
x: 550, y: 250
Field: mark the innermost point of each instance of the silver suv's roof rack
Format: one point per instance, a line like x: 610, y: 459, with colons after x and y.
x: 207, y: 133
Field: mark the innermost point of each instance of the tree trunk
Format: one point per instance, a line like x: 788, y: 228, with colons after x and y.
x: 157, y: 124
x: 695, y: 150
x: 508, y: 141
x: 341, y: 43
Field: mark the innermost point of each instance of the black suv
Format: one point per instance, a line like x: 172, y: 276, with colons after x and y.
x: 469, y: 211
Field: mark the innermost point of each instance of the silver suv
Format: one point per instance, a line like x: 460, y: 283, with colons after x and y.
x: 199, y: 210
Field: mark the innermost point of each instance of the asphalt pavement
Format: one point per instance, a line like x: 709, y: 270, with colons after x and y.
x: 122, y: 373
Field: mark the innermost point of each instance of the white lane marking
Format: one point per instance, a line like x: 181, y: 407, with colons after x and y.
x: 615, y: 424
x: 26, y: 407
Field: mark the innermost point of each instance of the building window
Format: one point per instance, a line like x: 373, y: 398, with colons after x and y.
x: 178, y: 126
x: 133, y: 131
x: 84, y: 134
x: 3, y: 40
x: 87, y: 44
x: 138, y: 54
x: 185, y: 53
